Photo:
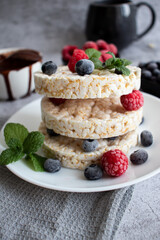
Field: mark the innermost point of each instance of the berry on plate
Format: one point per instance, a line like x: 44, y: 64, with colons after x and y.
x: 52, y: 165
x: 67, y: 52
x: 78, y: 54
x: 89, y: 145
x: 132, y: 101
x: 146, y: 138
x: 57, y: 101
x: 114, y: 162
x: 102, y: 45
x: 90, y: 44
x: 84, y: 66
x: 93, y: 172
x: 49, y: 68
x: 138, y: 157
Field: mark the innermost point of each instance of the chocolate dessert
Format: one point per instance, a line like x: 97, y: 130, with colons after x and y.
x: 16, y: 60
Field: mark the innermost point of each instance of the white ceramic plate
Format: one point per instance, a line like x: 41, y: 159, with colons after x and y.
x: 74, y: 180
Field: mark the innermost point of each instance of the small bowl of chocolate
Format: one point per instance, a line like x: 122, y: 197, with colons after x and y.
x: 16, y: 72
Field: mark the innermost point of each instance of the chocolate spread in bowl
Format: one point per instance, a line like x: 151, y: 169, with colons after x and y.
x: 16, y: 60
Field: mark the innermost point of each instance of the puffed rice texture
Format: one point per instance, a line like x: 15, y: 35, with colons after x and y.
x: 69, y: 150
x: 99, y: 84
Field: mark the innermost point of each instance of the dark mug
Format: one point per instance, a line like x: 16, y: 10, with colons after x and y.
x: 115, y: 21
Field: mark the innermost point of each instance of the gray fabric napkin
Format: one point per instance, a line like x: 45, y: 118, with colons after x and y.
x: 30, y: 212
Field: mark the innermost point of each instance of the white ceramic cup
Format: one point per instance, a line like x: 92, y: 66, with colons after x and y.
x: 18, y: 83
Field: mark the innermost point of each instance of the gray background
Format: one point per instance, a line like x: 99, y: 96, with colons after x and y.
x: 49, y: 25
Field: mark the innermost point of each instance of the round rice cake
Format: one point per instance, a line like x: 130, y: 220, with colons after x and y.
x: 99, y: 84
x: 69, y: 150
x: 89, y: 118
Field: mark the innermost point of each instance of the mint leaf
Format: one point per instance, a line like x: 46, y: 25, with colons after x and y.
x: 118, y: 62
x: 9, y: 156
x: 15, y: 144
x: 110, y: 63
x: 125, y: 62
x: 37, y: 162
x: 124, y: 70
x: 97, y: 63
x: 16, y: 131
x: 92, y: 53
x: 33, y: 142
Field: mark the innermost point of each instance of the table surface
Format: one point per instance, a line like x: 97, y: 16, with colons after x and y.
x: 48, y: 33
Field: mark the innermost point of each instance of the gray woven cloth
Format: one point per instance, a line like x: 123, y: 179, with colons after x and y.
x: 30, y: 212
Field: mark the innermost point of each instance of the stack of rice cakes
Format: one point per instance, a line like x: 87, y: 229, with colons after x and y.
x: 92, y: 110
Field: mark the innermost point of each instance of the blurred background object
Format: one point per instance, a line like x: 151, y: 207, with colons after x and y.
x: 16, y: 72
x: 49, y: 25
x: 116, y: 21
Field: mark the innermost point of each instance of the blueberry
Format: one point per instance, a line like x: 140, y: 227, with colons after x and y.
x: 112, y: 138
x: 146, y: 74
x: 152, y: 66
x: 84, y: 66
x: 49, y: 68
x: 156, y: 72
x: 146, y: 138
x: 52, y: 165
x: 142, y: 121
x: 93, y: 172
x: 117, y: 71
x: 138, y: 157
x: 89, y: 145
x: 52, y: 133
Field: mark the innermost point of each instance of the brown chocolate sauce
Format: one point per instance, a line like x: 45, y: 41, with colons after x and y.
x: 17, y: 60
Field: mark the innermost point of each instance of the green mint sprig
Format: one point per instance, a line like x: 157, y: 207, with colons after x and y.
x: 22, y: 144
x: 119, y: 64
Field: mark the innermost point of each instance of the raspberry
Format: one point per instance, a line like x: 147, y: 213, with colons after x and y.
x: 57, y: 101
x: 67, y: 51
x: 113, y: 49
x: 132, y: 101
x: 104, y: 56
x: 102, y: 45
x: 90, y: 44
x: 78, y: 54
x: 114, y: 162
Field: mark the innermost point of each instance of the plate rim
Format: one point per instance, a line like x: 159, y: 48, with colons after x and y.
x: 75, y: 189
x: 87, y: 190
